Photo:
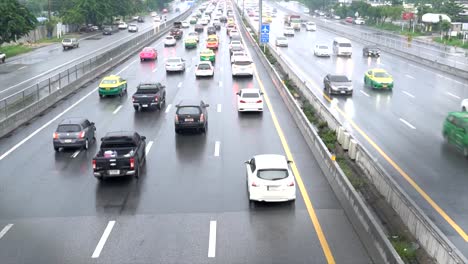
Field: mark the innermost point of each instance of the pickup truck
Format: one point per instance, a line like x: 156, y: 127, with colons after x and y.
x: 120, y: 154
x: 149, y: 95
x: 2, y: 57
x: 177, y: 33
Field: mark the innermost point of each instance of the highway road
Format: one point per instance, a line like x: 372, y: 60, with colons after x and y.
x: 403, y: 128
x: 19, y: 73
x: 190, y: 205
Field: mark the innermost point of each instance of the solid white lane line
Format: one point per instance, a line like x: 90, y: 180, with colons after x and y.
x: 408, y: 94
x: 148, y: 147
x: 219, y: 108
x: 75, y: 154
x: 168, y: 108
x: 217, y: 146
x: 409, y: 76
x: 212, y: 240
x: 103, y: 239
x: 179, y: 85
x: 366, y: 94
x: 220, y: 84
x: 453, y: 95
x: 22, y: 68
x: 117, y: 109
x: 5, y: 230
x: 407, y: 123
x: 155, y: 69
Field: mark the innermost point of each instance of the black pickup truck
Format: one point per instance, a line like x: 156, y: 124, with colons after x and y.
x: 120, y: 154
x: 177, y: 33
x: 149, y: 95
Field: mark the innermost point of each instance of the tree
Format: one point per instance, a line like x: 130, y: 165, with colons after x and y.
x: 445, y: 27
x: 16, y: 21
x: 452, y: 9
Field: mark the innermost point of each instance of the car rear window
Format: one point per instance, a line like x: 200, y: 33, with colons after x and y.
x: 211, y: 40
x: 188, y: 110
x: 69, y: 128
x: 323, y: 47
x: 173, y: 60
x: 169, y: 37
x: 381, y: 75
x: 204, y: 66
x: 272, y: 175
x: 147, y: 50
x: 242, y: 62
x: 66, y: 40
x: 345, y: 45
x: 109, y: 82
x: 250, y: 95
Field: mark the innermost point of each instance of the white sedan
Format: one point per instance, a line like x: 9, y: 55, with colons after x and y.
x: 464, y: 105
x: 270, y: 179
x: 310, y: 26
x: 170, y: 41
x: 322, y: 50
x: 281, y: 41
x: 238, y: 54
x: 123, y: 25
x: 204, y: 69
x: 288, y: 31
x: 249, y: 100
x: 185, y: 24
x: 175, y: 64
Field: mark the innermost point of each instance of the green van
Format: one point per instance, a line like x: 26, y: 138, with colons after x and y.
x: 455, y: 130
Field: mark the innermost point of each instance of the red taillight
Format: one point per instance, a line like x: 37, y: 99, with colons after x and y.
x: 132, y: 163
x: 254, y: 184
x: 259, y: 101
x: 156, y: 98
x: 133, y: 99
x: 81, y: 135
x: 202, y: 118
x: 291, y: 184
x: 242, y: 102
x: 94, y: 164
x: 177, y: 119
x: 56, y: 136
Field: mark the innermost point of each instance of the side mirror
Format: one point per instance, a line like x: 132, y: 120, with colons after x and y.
x: 238, y: 93
x: 290, y: 161
x: 261, y: 93
x: 143, y: 137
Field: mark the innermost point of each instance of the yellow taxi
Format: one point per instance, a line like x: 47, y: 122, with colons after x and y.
x: 112, y: 85
x: 230, y: 20
x: 212, y: 42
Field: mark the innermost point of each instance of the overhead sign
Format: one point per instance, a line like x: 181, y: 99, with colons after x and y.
x: 265, y: 33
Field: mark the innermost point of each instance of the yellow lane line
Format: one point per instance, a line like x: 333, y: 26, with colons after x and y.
x: 300, y: 183
x: 405, y: 175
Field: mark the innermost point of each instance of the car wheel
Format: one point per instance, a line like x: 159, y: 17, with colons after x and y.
x: 463, y: 109
x: 86, y: 145
x: 99, y: 177
x: 100, y: 96
x: 365, y: 82
x: 329, y: 91
x: 159, y: 106
x: 56, y: 148
x: 121, y: 93
x: 137, y: 173
x: 465, y: 152
x: 142, y: 59
x: 177, y: 131
x: 136, y: 107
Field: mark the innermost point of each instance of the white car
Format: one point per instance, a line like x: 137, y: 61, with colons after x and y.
x: 194, y: 35
x: 135, y: 17
x: 310, y: 26
x: 359, y: 21
x: 270, y: 179
x: 157, y: 19
x: 185, y: 24
x: 464, y: 105
x: 234, y: 32
x: 322, y: 50
x: 169, y: 41
x: 281, y: 41
x: 250, y: 100
x: 123, y: 25
x: 154, y: 14
x: 242, y: 66
x: 132, y: 28
x: 204, y: 69
x: 204, y: 21
x: 235, y: 43
x: 175, y: 64
x: 238, y: 54
x: 288, y: 31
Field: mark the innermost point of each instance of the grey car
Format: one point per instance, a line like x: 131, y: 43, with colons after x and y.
x: 76, y: 132
x: 337, y: 84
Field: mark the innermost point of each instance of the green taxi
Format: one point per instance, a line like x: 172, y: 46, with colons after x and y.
x: 193, y: 20
x: 112, y: 85
x: 455, y: 130
x: 207, y: 55
x: 190, y: 42
x: 378, y: 79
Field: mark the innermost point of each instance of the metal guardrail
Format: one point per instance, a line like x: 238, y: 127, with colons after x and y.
x: 53, y: 84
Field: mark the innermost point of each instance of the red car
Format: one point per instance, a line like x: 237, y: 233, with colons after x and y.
x: 148, y: 53
x: 349, y: 19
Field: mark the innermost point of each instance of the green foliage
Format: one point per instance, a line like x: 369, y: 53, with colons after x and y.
x: 404, y: 248
x: 13, y: 50
x: 452, y: 9
x: 376, y: 14
x: 15, y: 21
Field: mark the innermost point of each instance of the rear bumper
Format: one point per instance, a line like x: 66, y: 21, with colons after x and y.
x: 105, y: 173
x: 75, y: 144
x: 174, y: 68
x: 264, y: 196
x: 145, y: 105
x: 189, y: 126
x: 112, y: 91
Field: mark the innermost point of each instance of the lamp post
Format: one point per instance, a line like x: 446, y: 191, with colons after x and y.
x: 260, y: 19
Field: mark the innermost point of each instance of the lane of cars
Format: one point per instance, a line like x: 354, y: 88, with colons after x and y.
x: 182, y: 184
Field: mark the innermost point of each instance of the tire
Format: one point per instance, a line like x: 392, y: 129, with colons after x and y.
x: 100, y: 178
x: 56, y: 149
x: 159, y: 106
x: 329, y: 91
x: 177, y: 131
x: 465, y: 152
x: 463, y: 109
x: 141, y: 60
x: 137, y: 172
x: 100, y: 96
x: 121, y: 93
x: 136, y: 108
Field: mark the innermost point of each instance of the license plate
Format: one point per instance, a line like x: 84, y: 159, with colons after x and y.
x: 68, y: 140
x: 273, y: 188
x: 188, y: 119
x: 145, y: 105
x: 343, y: 92
x: 114, y: 172
x: 384, y: 86
x: 107, y: 89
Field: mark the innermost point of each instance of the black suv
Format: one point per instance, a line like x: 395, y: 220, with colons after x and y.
x: 371, y: 51
x: 191, y: 115
x: 75, y: 132
x: 149, y: 95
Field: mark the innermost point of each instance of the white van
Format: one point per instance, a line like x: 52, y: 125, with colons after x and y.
x: 342, y: 47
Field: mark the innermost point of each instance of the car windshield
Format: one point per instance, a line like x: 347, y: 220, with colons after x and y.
x: 66, y: 40
x: 109, y: 81
x: 147, y: 50
x: 174, y: 60
x: 272, y: 174
x: 250, y: 95
x: 204, y: 66
x: 68, y: 128
x: 281, y: 38
x: 188, y: 110
x: 381, y: 74
x: 211, y: 40
x: 339, y: 78
x: 345, y: 45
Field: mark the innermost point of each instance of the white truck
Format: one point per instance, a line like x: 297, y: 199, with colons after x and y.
x: 2, y: 57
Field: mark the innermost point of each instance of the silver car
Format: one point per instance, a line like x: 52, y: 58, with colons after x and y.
x: 74, y: 132
x: 175, y: 64
x: 281, y: 42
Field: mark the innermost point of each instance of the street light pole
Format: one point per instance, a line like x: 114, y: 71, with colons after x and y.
x: 260, y: 19
x: 243, y: 2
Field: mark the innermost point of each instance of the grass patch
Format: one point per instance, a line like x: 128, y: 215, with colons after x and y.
x: 452, y: 42
x: 56, y: 40
x: 404, y: 248
x: 14, y: 50
x: 396, y: 28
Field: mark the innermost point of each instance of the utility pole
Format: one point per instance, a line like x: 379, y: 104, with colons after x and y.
x: 48, y: 3
x: 260, y: 19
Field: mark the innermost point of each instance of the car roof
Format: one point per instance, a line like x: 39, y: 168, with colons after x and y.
x: 270, y: 161
x: 72, y: 121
